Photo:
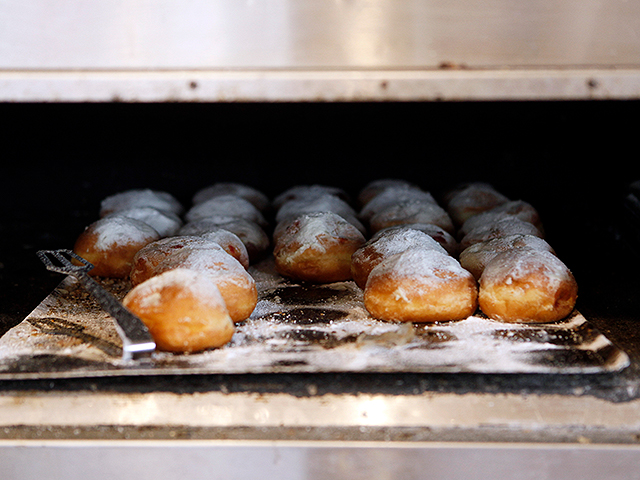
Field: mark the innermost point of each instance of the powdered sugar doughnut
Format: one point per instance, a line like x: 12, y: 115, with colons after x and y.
x: 317, y: 247
x: 140, y: 198
x: 499, y: 228
x: 375, y: 187
x: 309, y: 191
x: 228, y: 205
x: 318, y: 203
x: 477, y: 256
x: 392, y: 196
x: 411, y: 211
x: 146, y: 261
x: 472, y: 199
x: 527, y: 285
x: 164, y: 222
x: 385, y: 244
x: 230, y: 243
x: 183, y: 310
x: 252, y: 235
x: 256, y: 197
x: 440, y: 235
x: 420, y: 285
x: 236, y: 285
x: 515, y: 208
x: 111, y: 243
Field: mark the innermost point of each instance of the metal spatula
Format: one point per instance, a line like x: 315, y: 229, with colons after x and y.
x: 136, y: 339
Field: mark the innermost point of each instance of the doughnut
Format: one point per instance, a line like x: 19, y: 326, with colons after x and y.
x: 230, y: 243
x: 318, y: 203
x: 140, y: 198
x: 164, y: 222
x: 252, y: 235
x: 514, y: 208
x: 420, y: 285
x: 147, y: 259
x: 229, y: 205
x: 411, y: 211
x: 444, y: 238
x: 527, y: 286
x: 476, y: 257
x: 317, y: 247
x: 499, y: 228
x: 375, y: 187
x: 111, y: 243
x: 236, y: 285
x: 256, y: 197
x: 183, y: 310
x: 472, y: 199
x: 392, y: 196
x: 383, y: 245
x: 307, y: 191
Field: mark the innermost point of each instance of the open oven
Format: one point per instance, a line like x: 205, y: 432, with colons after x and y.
x: 536, y: 98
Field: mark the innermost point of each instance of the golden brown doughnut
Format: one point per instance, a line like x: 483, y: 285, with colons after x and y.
x: 515, y: 208
x: 253, y: 195
x: 385, y: 244
x: 499, y: 228
x: 444, y: 238
x: 236, y: 285
x: 164, y: 222
x: 471, y: 199
x: 478, y: 255
x: 140, y: 198
x: 111, y: 243
x: 411, y: 211
x: 309, y: 191
x: 183, y: 310
x: 252, y: 235
x: 528, y: 286
x: 317, y: 247
x: 146, y: 260
x: 228, y: 205
x: 420, y: 285
x: 392, y: 196
x: 375, y: 187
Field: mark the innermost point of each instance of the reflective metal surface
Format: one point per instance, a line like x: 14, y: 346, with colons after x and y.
x: 318, y: 50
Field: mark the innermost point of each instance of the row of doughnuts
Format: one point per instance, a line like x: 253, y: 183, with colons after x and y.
x: 190, y: 282
x: 407, y: 269
x: 520, y: 277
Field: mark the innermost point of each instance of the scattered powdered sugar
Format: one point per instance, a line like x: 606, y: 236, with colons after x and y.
x: 164, y: 222
x: 427, y: 265
x: 526, y: 264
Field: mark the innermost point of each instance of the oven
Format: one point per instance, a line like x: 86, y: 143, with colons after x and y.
x: 537, y: 98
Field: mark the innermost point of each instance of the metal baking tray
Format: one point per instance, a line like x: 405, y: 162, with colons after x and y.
x: 301, y: 328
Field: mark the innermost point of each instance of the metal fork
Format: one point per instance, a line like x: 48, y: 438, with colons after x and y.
x: 136, y: 339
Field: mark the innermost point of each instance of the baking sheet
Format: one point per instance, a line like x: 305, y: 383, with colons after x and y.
x: 301, y: 328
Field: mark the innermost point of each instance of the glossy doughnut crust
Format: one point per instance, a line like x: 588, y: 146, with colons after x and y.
x: 420, y: 285
x: 477, y: 256
x: 385, y: 244
x: 140, y: 198
x: 111, y: 244
x: 527, y: 286
x: 317, y: 247
x: 183, y: 310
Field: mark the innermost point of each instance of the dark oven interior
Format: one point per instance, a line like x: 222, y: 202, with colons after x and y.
x: 573, y: 160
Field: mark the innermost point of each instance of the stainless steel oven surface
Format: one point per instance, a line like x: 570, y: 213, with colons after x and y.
x: 534, y: 98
